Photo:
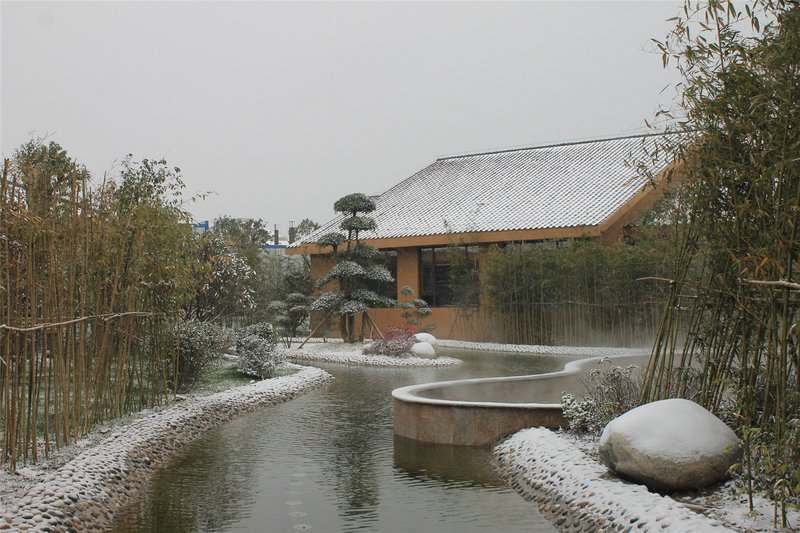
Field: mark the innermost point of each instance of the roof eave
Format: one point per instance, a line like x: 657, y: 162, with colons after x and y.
x: 465, y: 238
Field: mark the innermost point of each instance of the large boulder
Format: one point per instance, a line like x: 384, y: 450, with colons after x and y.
x: 669, y: 445
x: 423, y: 349
x: 427, y: 337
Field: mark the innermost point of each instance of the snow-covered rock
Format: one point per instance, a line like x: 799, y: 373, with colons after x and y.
x: 669, y: 444
x: 577, y: 495
x: 423, y: 349
x: 369, y: 349
x: 427, y: 337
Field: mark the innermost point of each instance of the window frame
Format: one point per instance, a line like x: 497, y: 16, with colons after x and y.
x: 435, y: 265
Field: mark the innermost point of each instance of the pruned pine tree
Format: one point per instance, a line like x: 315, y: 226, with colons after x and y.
x: 355, y: 270
x: 289, y: 315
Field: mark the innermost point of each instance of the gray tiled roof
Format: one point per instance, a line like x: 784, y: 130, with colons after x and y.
x: 555, y: 186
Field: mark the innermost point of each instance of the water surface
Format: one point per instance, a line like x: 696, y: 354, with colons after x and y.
x: 328, y: 461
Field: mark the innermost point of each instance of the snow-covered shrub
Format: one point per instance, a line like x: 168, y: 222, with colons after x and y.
x: 359, y: 276
x: 614, y: 387
x: 396, y: 342
x: 260, y: 329
x: 290, y: 316
x: 197, y: 344
x: 610, y: 391
x: 585, y: 415
x: 256, y: 350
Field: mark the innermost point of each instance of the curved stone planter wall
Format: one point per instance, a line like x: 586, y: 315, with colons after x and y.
x: 478, y: 412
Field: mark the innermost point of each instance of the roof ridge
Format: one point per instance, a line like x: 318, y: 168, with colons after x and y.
x: 556, y: 145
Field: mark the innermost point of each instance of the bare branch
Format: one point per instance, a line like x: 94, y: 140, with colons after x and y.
x: 776, y: 284
x: 105, y: 318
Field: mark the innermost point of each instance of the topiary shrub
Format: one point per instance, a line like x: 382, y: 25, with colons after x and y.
x: 290, y: 316
x: 197, y: 344
x: 256, y: 350
x: 260, y: 329
x: 415, y: 311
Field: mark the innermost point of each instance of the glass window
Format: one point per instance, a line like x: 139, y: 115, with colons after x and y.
x: 427, y: 277
x: 449, y: 276
x: 390, y: 262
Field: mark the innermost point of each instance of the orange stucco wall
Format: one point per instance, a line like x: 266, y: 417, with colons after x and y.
x: 462, y: 323
x: 469, y: 323
x: 407, y: 271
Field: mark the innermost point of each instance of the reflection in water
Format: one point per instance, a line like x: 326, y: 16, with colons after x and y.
x: 358, y: 414
x: 203, y: 499
x: 445, y: 463
x: 328, y: 461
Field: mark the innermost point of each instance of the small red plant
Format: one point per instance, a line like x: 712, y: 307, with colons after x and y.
x: 396, y: 341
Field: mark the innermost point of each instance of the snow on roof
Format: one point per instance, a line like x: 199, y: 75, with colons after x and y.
x: 553, y: 186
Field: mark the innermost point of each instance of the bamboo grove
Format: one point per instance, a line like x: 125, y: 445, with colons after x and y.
x: 584, y: 294
x: 736, y: 232
x: 90, y: 277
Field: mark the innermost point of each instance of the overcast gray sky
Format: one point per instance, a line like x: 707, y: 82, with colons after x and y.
x: 281, y: 108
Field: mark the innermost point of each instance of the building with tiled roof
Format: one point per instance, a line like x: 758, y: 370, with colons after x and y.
x: 551, y: 193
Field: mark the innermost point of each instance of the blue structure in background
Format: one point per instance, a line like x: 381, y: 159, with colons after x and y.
x: 199, y: 227
x: 274, y: 248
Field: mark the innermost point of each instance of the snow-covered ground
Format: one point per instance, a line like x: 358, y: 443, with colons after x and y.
x: 335, y: 351
x: 584, y: 351
x: 562, y: 476
x: 577, y: 494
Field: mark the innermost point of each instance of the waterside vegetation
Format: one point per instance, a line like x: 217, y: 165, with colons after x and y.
x: 109, y: 303
x: 736, y: 232
x: 728, y: 338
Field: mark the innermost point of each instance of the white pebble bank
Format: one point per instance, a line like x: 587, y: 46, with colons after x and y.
x: 582, y: 351
x: 338, y: 352
x: 577, y: 494
x: 84, y: 494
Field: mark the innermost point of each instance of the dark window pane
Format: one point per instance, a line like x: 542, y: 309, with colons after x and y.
x: 449, y: 275
x: 427, y: 275
x: 442, y: 285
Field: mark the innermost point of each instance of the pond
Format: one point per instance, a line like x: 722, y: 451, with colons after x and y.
x: 329, y: 461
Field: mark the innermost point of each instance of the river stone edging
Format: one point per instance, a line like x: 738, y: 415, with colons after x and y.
x: 83, y: 494
x: 368, y: 360
x: 540, y: 349
x: 578, y: 494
